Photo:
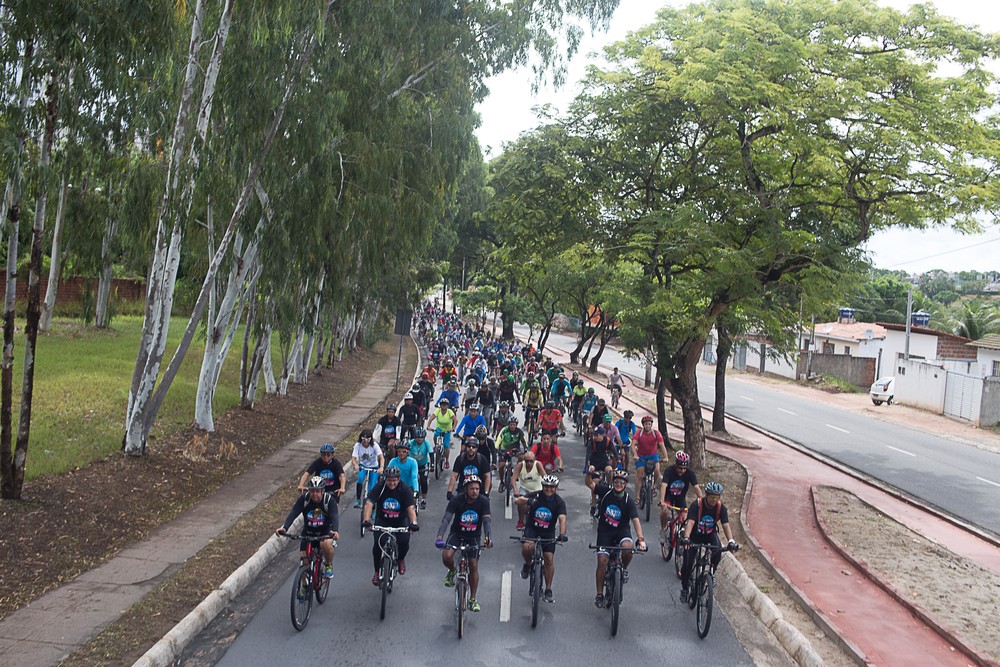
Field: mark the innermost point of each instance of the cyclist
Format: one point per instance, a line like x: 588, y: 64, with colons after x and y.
x: 534, y: 398
x: 576, y: 402
x: 552, y: 373
x: 471, y: 390
x: 615, y: 380
x: 387, y: 428
x: 465, y: 519
x: 616, y: 511
x: 560, y: 391
x: 407, y: 465
x: 470, y: 422
x: 547, y: 453
x: 702, y: 527
x: 510, y: 444
x: 507, y: 391
x: 602, y: 456
x: 648, y: 445
x: 486, y: 444
x: 410, y: 416
x: 550, y: 420
x: 611, y: 432
x: 597, y: 414
x: 427, y: 388
x: 471, y: 462
x: 368, y: 461
x: 545, y: 509
x: 673, y: 489
x: 463, y: 363
x: 448, y: 373
x: 444, y: 418
x: 429, y: 373
x: 576, y: 379
x: 626, y: 428
x: 321, y: 517
x: 392, y: 503
x: 528, y: 474
x: 502, y: 417
x: 420, y: 450
x: 329, y: 468
x: 450, y: 394
x: 487, y: 402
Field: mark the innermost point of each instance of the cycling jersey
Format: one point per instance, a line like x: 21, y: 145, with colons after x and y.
x: 647, y: 444
x: 330, y: 472
x: 549, y: 419
x: 625, y: 430
x: 508, y: 439
x: 444, y: 419
x: 677, y: 486
x: 534, y: 398
x: 407, y: 471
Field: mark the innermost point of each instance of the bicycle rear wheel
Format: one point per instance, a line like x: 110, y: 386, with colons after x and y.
x: 678, y: 556
x: 385, y: 582
x: 705, y: 590
x: 507, y: 482
x: 667, y: 542
x: 461, y: 602
x: 537, y: 581
x: 301, y: 604
x: 696, y: 577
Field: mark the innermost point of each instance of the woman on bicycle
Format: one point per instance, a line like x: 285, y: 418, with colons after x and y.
x: 702, y: 527
x: 444, y: 418
x: 321, y: 518
x: 368, y: 461
x: 392, y: 505
x: 545, y: 509
x: 673, y: 490
x: 616, y: 511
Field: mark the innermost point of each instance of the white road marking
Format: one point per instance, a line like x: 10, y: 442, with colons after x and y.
x: 507, y: 511
x: 983, y: 479
x: 788, y: 412
x: 747, y: 398
x: 505, y: 597
x: 901, y: 451
x: 837, y: 428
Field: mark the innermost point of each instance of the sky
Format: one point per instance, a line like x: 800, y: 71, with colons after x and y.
x: 509, y: 110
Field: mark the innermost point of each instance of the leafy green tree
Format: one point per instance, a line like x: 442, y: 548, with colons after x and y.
x: 975, y: 319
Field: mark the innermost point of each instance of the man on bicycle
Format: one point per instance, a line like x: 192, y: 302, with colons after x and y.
x: 406, y: 465
x: 550, y: 420
x: 507, y: 391
x: 472, y: 462
x: 330, y: 469
x: 602, y: 462
x: 616, y: 510
x: 470, y: 422
x: 466, y: 518
x: 392, y: 503
x: 702, y: 527
x: 546, y: 508
x: 560, y: 391
x: 410, y: 416
x: 487, y: 445
x: 502, y: 417
x: 368, y: 461
x: 547, y: 453
x: 510, y: 444
x: 615, y: 381
x: 673, y: 490
x: 648, y: 446
x: 321, y: 519
x: 576, y: 402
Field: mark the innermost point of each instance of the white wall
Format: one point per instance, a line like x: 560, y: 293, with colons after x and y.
x: 918, y: 384
x: 985, y: 360
x: 921, y: 345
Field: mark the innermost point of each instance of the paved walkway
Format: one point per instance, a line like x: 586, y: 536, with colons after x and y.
x: 781, y: 519
x: 48, y: 629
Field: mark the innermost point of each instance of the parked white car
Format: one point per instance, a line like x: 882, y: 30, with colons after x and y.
x: 883, y: 391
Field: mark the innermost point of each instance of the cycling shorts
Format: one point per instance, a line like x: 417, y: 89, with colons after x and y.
x: 530, y: 532
x: 454, y: 540
x: 642, y: 460
x: 613, y: 538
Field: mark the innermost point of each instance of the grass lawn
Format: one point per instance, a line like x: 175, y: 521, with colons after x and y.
x: 82, y: 379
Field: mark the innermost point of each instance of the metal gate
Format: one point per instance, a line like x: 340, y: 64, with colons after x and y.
x: 961, y: 394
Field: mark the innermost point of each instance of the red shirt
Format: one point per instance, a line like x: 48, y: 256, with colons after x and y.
x: 546, y: 456
x: 549, y: 419
x: 647, y: 444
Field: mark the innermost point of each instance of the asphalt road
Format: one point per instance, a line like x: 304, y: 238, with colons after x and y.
x: 960, y: 479
x: 420, y: 626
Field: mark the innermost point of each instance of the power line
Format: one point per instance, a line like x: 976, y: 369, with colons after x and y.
x: 946, y: 252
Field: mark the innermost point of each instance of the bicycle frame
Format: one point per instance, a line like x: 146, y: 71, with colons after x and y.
x: 536, y: 580
x: 389, y: 566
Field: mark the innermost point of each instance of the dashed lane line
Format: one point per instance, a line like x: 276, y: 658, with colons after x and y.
x: 983, y: 479
x: 505, y: 597
x: 788, y: 412
x: 901, y: 451
x: 747, y: 398
x: 837, y: 428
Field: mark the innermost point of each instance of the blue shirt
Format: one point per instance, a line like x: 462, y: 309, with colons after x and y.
x: 420, y: 451
x: 625, y: 430
x: 407, y: 471
x: 468, y: 426
x: 452, y: 397
x: 589, y: 401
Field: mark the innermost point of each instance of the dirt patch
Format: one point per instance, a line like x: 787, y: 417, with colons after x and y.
x: 71, y: 523
x: 922, y: 572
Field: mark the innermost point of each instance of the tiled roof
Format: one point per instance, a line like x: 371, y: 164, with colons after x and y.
x: 852, y: 331
x: 989, y: 341
x: 923, y: 330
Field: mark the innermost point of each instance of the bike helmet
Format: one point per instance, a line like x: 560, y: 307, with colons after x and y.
x: 425, y: 376
x: 576, y: 374
x: 647, y: 418
x: 408, y: 396
x: 562, y: 375
x: 591, y: 391
x: 474, y: 406
x: 608, y: 418
x: 549, y: 405
x: 472, y: 479
x: 513, y: 421
x: 682, y: 458
x: 403, y: 444
x: 620, y: 474
x: 506, y: 404
x: 392, y: 472
x: 472, y: 382
x: 533, y: 384
x: 452, y: 383
x: 390, y: 406
x: 420, y: 433
x: 481, y: 432
x: 316, y: 483
x: 713, y: 489
x: 326, y: 448
x: 511, y: 377
x: 471, y: 440
x: 550, y: 480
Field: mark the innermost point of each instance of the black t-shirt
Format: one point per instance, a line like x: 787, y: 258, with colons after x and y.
x: 390, y: 429
x: 390, y: 505
x: 615, y: 513
x: 602, y: 452
x: 479, y: 466
x: 320, y: 518
x: 543, y: 513
x: 409, y: 415
x: 468, y: 521
x: 707, y: 524
x: 597, y: 415
x: 484, y: 396
x: 330, y: 472
x: 678, y: 485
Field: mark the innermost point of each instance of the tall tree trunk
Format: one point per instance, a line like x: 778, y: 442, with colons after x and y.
x: 606, y: 336
x: 648, y: 380
x: 723, y: 350
x: 661, y: 406
x: 267, y: 367
x: 103, y: 310
x: 45, y: 323
x: 684, y: 387
x: 587, y: 333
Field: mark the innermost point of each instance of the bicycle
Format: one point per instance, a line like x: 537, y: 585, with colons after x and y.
x: 308, y: 581
x: 536, y: 577
x: 702, y: 595
x: 462, y: 583
x: 614, y: 580
x: 438, y: 453
x: 365, y: 488
x: 670, y: 539
x: 646, y: 490
x: 389, y: 566
x: 531, y: 424
x: 616, y: 394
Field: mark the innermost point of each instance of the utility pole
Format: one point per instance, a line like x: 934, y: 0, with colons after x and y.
x: 909, y: 317
x: 812, y: 344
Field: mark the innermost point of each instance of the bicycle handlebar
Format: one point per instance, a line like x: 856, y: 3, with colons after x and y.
x: 615, y: 549
x: 310, y: 538
x: 390, y: 529
x: 543, y: 540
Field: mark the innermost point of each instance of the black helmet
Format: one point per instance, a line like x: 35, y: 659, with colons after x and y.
x: 392, y: 472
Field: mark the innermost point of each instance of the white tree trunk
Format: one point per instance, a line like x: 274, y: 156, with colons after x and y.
x: 45, y: 323
x: 270, y: 385
x: 103, y: 309
x: 307, y: 352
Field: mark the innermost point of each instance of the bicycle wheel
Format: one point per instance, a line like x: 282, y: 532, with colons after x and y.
x: 537, y: 583
x: 385, y: 583
x: 678, y: 556
x: 301, y: 597
x: 438, y: 462
x: 507, y: 482
x: 648, y: 493
x: 616, y: 599
x: 693, y: 596
x: 323, y: 588
x: 706, y: 587
x: 667, y: 542
x: 461, y: 601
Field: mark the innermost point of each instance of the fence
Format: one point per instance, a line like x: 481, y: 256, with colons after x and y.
x: 72, y: 289
x: 859, y: 371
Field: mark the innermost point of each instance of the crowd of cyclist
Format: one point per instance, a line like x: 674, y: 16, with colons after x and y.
x: 485, y: 378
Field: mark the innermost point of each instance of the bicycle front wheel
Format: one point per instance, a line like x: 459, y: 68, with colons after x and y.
x: 301, y: 597
x: 385, y: 581
x: 648, y: 494
x: 322, y: 588
x: 616, y: 601
x: 537, y: 582
x: 678, y: 556
x: 696, y: 577
x: 461, y: 601
x: 705, y: 591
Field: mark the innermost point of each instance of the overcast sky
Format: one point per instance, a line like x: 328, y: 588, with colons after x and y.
x: 508, y: 111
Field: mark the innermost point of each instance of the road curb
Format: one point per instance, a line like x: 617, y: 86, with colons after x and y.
x: 165, y: 651
x: 970, y: 650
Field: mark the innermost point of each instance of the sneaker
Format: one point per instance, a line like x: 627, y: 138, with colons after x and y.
x: 549, y: 597
x: 357, y: 503
x: 684, y: 596
x: 599, y: 602
x: 473, y: 605
x: 624, y: 575
x: 402, y: 566
x: 525, y: 570
x: 375, y: 580
x: 449, y: 579
x: 519, y: 526
x: 423, y: 504
x: 328, y: 572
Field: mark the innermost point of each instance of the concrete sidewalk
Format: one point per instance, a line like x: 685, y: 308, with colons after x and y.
x: 48, y: 629
x: 779, y: 517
